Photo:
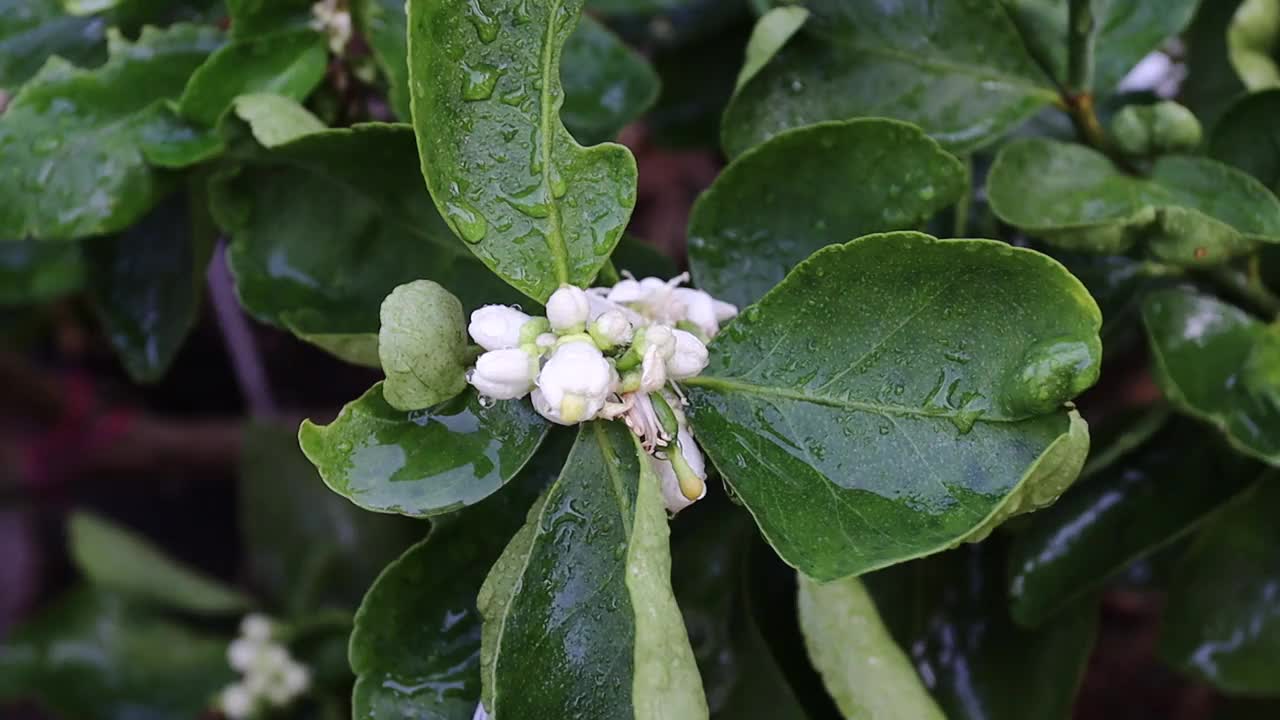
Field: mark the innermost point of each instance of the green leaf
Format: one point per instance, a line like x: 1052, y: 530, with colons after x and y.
x: 384, y: 25
x: 32, y: 271
x: 348, y: 221
x: 304, y: 545
x: 422, y: 346
x: 119, y: 560
x: 173, y: 142
x: 32, y: 31
x: 70, y: 138
x: 864, y: 670
x: 896, y: 394
x: 1189, y: 210
x: 1212, y: 83
x: 291, y: 64
x: 1199, y: 347
x: 1248, y: 137
x: 94, y: 655
x: 772, y: 31
x: 1220, y: 624
x: 416, y: 644
x: 275, y: 120
x: 958, y: 70
x: 532, y: 204
x: 583, y: 594
x: 250, y: 18
x: 606, y: 84
x: 950, y: 610
x: 1145, y: 501
x: 422, y: 463
x: 748, y: 229
x: 1125, y: 31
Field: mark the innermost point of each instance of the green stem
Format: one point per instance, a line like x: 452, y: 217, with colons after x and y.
x: 1247, y: 288
x: 609, y: 274
x: 961, y: 227
x: 1080, y: 37
x: 1136, y: 434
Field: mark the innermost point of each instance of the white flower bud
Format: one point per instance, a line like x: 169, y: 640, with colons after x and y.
x: 504, y: 374
x: 689, y: 358
x: 574, y: 383
x: 669, y: 481
x: 627, y: 291
x: 236, y: 701
x: 724, y: 311
x: 660, y: 337
x: 273, y: 658
x: 653, y: 371
x: 242, y: 652
x: 568, y: 308
x: 257, y: 626
x: 545, y: 341
x: 296, y: 679
x: 612, y: 328
x: 495, y: 327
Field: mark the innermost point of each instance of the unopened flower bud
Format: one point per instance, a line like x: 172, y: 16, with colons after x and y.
x: 236, y: 702
x: 689, y: 358
x: 683, y: 476
x: 504, y: 374
x: 242, y: 652
x: 495, y: 327
x: 653, y: 370
x: 574, y: 384
x: 611, y: 329
x: 257, y: 626
x: 658, y: 336
x: 567, y: 309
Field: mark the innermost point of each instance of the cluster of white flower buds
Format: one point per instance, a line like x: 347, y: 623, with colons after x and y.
x: 334, y: 20
x: 271, y: 678
x: 608, y: 353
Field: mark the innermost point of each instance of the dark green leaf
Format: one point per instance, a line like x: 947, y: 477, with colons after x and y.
x: 774, y: 29
x: 170, y: 141
x: 844, y: 180
x: 1199, y: 346
x: 1145, y: 501
x: 532, y: 204
x: 956, y: 69
x: 384, y: 25
x: 306, y: 546
x: 1221, y: 622
x: 898, y: 394
x: 70, y: 139
x: 606, y: 84
x: 1248, y: 137
x: 250, y: 18
x: 690, y: 105
x: 93, y: 655
x: 32, y: 31
x: 642, y: 260
x: 582, y: 593
x: 33, y: 271
x: 291, y: 64
x: 1212, y: 83
x: 424, y: 462
x: 116, y: 559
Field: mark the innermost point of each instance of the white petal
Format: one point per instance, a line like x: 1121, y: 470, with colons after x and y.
x: 568, y: 308
x: 689, y: 358
x: 495, y: 327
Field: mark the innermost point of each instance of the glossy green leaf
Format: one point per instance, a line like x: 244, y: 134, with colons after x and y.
x: 424, y: 462
x: 896, y: 394
x: 168, y: 140
x: 690, y: 105
x: 32, y: 271
x: 291, y: 64
x: 1124, y: 32
x: 1212, y: 83
x: 251, y: 18
x: 275, y: 120
x: 1248, y: 137
x: 384, y: 25
x: 845, y: 180
x: 1221, y: 623
x: 304, y: 545
x: 70, y: 139
x: 348, y: 221
x: 422, y: 345
x: 116, y: 559
x: 1189, y: 210
x: 93, y: 655
x: 507, y: 176
x: 32, y: 31
x: 950, y: 611
x: 773, y: 31
x: 1199, y: 346
x: 957, y: 69
x: 864, y: 670
x: 583, y: 594
x: 416, y: 645
x: 1143, y: 502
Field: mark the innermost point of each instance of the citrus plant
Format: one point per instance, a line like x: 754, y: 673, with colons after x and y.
x: 847, y: 465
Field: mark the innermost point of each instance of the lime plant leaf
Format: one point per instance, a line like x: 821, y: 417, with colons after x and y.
x: 771, y: 32
x: 1201, y: 350
x: 1248, y: 137
x: 422, y: 345
x: 1146, y: 500
x: 606, y: 84
x: 423, y: 462
x: 583, y: 593
x: 251, y: 18
x: 32, y: 31
x: 507, y: 176
x: 958, y: 70
x: 384, y: 25
x: 291, y: 64
x: 274, y: 120
x: 860, y: 438
x: 70, y: 137
x: 115, y: 559
x: 1221, y: 624
x: 845, y: 180
x: 1187, y: 211
x: 862, y: 667
x: 1212, y: 84
x: 33, y: 271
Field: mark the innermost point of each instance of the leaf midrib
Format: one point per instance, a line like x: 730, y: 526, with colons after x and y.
x: 555, y: 233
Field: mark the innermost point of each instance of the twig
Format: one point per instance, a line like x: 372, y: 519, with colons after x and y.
x: 238, y: 337
x: 1248, y: 288
x: 1080, y: 36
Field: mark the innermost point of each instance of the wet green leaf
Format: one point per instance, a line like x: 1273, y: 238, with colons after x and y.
x: 510, y: 180
x: 70, y: 138
x: 606, y: 84
x: 422, y: 345
x: 772, y: 31
x: 1248, y: 137
x: 1199, y: 347
x: 1221, y: 621
x: 845, y: 180
x: 951, y: 611
x: 583, y: 594
x: 1146, y: 500
x: 1188, y: 211
x: 291, y: 64
x: 32, y: 271
x: 896, y: 394
x: 416, y: 645
x: 958, y: 70
x: 94, y: 655
x: 274, y: 120
x: 425, y: 462
x: 861, y: 665
x: 32, y: 31
x: 117, y: 559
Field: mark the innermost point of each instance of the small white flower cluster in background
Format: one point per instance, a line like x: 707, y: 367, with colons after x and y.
x: 608, y: 353
x: 334, y: 20
x: 270, y: 675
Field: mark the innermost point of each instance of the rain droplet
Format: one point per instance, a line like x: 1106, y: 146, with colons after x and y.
x: 486, y: 401
x: 479, y: 82
x: 467, y: 221
x: 926, y: 193
x: 486, y: 27
x: 558, y: 185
